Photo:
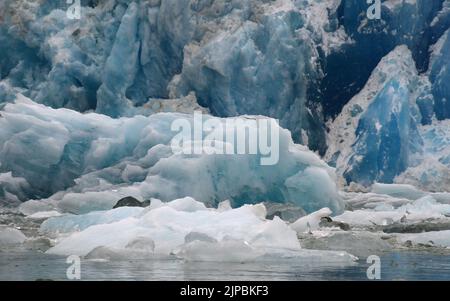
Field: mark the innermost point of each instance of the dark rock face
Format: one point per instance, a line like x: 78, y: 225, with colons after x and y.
x: 128, y: 202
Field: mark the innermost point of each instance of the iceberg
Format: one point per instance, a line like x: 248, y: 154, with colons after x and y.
x: 87, y: 162
x: 72, y: 223
x: 398, y: 191
x: 171, y: 227
x: 13, y: 190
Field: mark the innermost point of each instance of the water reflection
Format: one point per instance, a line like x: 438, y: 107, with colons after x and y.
x: 27, y: 265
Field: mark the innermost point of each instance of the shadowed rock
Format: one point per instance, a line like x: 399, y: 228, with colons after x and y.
x: 287, y: 212
x: 129, y: 202
x: 327, y: 222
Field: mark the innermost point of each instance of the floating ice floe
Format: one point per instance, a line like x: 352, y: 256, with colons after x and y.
x: 436, y: 238
x: 169, y: 224
x: 398, y: 191
x: 385, y: 214
x: 182, y: 228
x: 44, y: 215
x: 11, y: 236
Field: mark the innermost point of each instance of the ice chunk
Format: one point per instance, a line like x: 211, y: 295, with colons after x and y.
x: 420, y: 210
x: 372, y: 200
x: 105, y: 254
x: 224, y: 206
x: 438, y: 238
x: 226, y: 250
x: 311, y: 222
x: 44, y: 215
x: 369, y: 217
x: 398, y: 191
x: 90, y: 153
x: 359, y: 243
x: 13, y: 190
x: 10, y: 236
x: 71, y: 223
x: 187, y: 204
x: 36, y: 207
x: 201, y: 234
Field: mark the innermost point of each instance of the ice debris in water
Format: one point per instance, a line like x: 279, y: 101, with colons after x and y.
x: 11, y: 236
x: 311, y: 222
x: 398, y: 190
x: 434, y: 239
x: 184, y: 228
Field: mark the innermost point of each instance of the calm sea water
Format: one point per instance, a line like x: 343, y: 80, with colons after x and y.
x: 26, y: 265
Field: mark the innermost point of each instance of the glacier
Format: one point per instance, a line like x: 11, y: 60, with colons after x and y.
x: 87, y: 108
x: 376, y: 133
x: 286, y: 59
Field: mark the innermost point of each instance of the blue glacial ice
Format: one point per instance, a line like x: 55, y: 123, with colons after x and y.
x: 298, y: 61
x: 391, y: 131
x: 376, y: 133
x: 87, y: 162
x: 440, y: 77
x: 238, y: 57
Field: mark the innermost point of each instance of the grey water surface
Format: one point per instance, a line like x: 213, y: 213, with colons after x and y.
x: 32, y: 265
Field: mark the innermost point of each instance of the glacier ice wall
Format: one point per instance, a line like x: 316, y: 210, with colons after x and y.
x: 417, y: 24
x: 239, y: 57
x: 440, y: 77
x: 391, y: 130
x: 374, y: 136
x: 300, y: 61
